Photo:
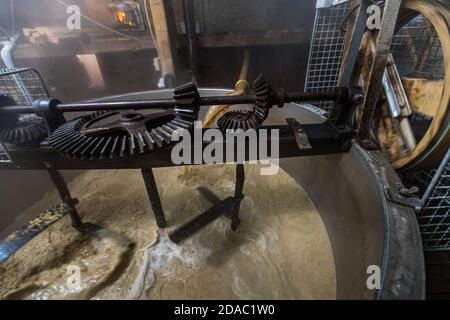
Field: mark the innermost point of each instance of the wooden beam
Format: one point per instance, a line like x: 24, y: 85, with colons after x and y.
x: 163, y: 35
x: 249, y: 39
x: 424, y: 95
x: 74, y: 47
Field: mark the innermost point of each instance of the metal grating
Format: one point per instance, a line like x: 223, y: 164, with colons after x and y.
x: 434, y: 218
x: 418, y: 53
x: 327, y: 49
x: 24, y: 85
x: 417, y: 50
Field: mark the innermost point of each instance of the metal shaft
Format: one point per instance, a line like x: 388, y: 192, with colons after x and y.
x: 333, y: 95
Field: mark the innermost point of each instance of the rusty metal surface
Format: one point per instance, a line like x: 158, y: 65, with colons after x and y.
x: 380, y: 58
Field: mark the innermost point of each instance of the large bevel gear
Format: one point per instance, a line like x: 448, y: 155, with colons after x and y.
x: 26, y: 129
x: 250, y: 119
x: 119, y: 135
x: 116, y: 135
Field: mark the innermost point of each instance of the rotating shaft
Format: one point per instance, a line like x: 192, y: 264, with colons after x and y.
x: 280, y: 97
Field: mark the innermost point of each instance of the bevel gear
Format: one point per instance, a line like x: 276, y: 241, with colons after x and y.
x: 117, y: 135
x: 26, y: 129
x: 250, y: 119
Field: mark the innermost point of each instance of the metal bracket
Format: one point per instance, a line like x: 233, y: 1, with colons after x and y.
x: 404, y: 196
x: 300, y: 135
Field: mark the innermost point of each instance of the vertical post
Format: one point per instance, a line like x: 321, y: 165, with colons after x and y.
x: 189, y: 18
x: 153, y: 195
x: 353, y: 40
x: 64, y: 193
x: 239, y: 187
x: 379, y: 62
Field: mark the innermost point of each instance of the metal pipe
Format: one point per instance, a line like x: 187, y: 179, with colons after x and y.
x: 436, y: 177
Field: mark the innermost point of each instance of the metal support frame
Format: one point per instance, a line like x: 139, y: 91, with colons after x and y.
x: 153, y: 195
x: 322, y: 137
x: 350, y: 59
x: 379, y: 62
x: 64, y: 193
x: 238, y: 196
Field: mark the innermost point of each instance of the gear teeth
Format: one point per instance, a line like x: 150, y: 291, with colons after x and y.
x: 244, y: 120
x: 71, y: 142
x: 140, y: 142
x: 105, y: 147
x: 263, y: 92
x: 149, y: 140
x: 157, y: 137
x: 187, y: 101
x: 30, y: 129
x: 132, y: 145
x: 94, y: 150
x: 114, y: 147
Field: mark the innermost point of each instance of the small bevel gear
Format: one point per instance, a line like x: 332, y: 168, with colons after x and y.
x: 30, y: 129
x: 263, y: 92
x: 25, y: 129
x: 242, y: 119
x: 187, y: 101
x: 250, y: 119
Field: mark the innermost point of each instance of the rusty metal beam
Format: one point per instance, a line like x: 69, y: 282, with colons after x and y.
x: 380, y: 59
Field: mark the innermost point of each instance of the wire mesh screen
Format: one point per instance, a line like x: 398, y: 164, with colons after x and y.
x: 23, y: 85
x: 327, y: 48
x: 434, y: 218
x: 417, y: 50
x: 418, y: 53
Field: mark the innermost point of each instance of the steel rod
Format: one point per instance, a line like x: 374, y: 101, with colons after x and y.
x: 64, y: 193
x: 153, y: 195
x: 171, y: 103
